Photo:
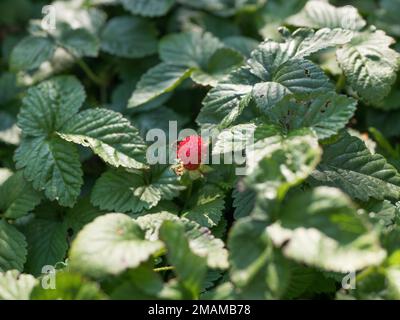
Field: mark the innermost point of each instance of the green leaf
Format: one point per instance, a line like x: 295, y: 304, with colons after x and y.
x: 258, y: 270
x: 327, y: 114
x: 109, y: 245
x: 17, y: 197
x: 148, y: 8
x: 49, y: 105
x: 241, y: 44
x: 320, y: 14
x: 271, y: 74
x: 47, y: 244
x: 192, y: 50
x: 80, y: 42
x: 189, y: 267
x: 143, y: 283
x: 51, y: 165
x: 298, y: 78
x: 80, y: 215
x: 393, y: 277
x: 135, y: 191
x: 273, y: 15
x: 249, y: 249
x: 348, y: 164
x: 383, y: 212
x: 69, y: 286
x: 109, y: 135
x: 31, y: 52
x: 201, y: 241
x: 370, y: 65
x: 12, y: 248
x: 8, y: 81
x: 16, y: 286
x: 158, y: 80
x: 277, y: 163
x: 305, y: 42
x: 9, y: 131
x: 206, y: 208
x: 305, y: 281
x: 327, y: 233
x: 244, y: 202
x: 129, y: 37
x: 5, y: 174
x: 219, y: 65
x: 224, y: 8
x: 224, y: 103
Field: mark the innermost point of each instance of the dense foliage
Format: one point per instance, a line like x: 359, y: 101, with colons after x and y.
x: 314, y: 82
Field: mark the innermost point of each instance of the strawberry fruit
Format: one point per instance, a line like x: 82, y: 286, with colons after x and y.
x: 191, y: 152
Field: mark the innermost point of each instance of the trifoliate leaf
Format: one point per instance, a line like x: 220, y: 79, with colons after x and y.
x: 189, y: 267
x: 206, y: 208
x: 201, y: 240
x: 49, y: 105
x: 109, y: 135
x: 327, y: 114
x: 51, y: 165
x: 68, y: 286
x: 16, y: 286
x: 129, y: 37
x: 298, y: 78
x: 135, y: 191
x: 109, y: 245
x: 17, y: 197
x: 270, y: 75
x: 348, y: 164
x: 370, y: 65
x: 327, y: 232
x: 148, y: 8
x: 12, y: 249
x: 189, y: 49
x: 320, y: 14
x: 47, y: 244
x: 158, y: 80
x: 31, y: 52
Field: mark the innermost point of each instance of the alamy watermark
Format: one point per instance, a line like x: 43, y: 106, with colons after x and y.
x: 48, y: 21
x: 219, y: 147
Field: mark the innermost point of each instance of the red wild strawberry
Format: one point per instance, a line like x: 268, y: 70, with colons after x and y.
x: 191, y: 152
